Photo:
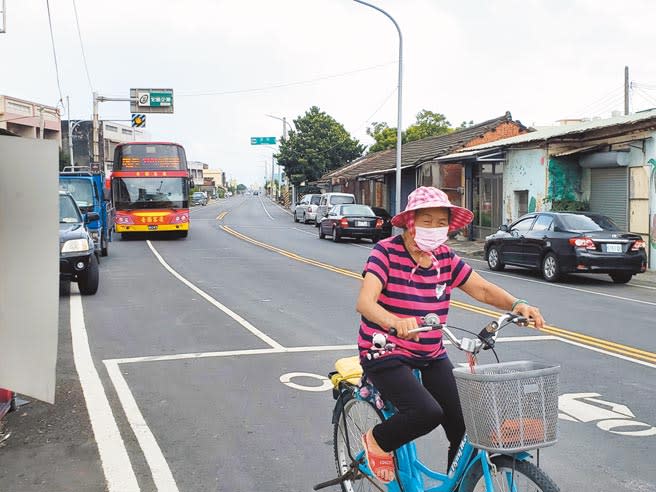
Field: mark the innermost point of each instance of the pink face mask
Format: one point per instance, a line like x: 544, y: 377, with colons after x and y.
x: 429, y: 238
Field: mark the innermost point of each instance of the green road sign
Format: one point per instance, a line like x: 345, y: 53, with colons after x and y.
x: 151, y: 100
x: 263, y: 140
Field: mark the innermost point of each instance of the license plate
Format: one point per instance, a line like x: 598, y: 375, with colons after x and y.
x: 613, y: 248
x: 361, y: 223
x: 152, y: 227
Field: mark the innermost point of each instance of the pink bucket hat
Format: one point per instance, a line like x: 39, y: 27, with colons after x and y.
x: 429, y: 197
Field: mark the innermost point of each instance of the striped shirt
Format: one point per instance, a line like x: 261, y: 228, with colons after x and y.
x: 406, y: 294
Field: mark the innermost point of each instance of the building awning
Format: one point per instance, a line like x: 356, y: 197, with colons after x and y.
x: 483, y: 155
x: 577, y: 150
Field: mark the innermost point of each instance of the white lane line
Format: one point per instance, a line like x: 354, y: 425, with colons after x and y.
x: 262, y: 336
x: 578, y: 289
x: 283, y: 209
x: 159, y: 468
x: 267, y: 212
x: 629, y: 285
x: 287, y: 350
x: 119, y: 474
x: 602, y: 351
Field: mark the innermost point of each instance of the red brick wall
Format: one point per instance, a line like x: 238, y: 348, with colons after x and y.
x: 504, y: 130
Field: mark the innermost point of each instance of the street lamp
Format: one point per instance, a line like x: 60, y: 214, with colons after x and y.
x: 398, y: 119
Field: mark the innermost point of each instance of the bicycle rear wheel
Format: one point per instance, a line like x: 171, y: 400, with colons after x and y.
x: 359, y: 416
x: 522, y: 477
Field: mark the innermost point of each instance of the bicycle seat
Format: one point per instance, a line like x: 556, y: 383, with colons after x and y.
x: 349, y: 370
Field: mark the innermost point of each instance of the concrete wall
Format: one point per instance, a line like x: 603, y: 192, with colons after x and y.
x: 524, y: 170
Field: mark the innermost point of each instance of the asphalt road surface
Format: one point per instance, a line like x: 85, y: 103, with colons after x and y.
x: 202, y: 365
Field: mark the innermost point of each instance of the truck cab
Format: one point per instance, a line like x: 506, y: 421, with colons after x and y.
x: 87, y: 187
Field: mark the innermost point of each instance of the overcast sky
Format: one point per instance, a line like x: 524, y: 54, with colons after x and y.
x: 231, y: 62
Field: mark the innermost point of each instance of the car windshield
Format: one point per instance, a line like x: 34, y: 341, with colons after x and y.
x: 80, y: 189
x: 585, y: 223
x: 315, y: 200
x: 141, y: 193
x: 361, y: 210
x: 336, y: 200
x: 198, y: 194
x: 68, y: 212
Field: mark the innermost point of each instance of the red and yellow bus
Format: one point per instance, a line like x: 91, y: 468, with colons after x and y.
x: 150, y: 188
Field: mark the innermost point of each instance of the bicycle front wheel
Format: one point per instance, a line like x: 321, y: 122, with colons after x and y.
x: 520, y: 476
x: 355, y: 418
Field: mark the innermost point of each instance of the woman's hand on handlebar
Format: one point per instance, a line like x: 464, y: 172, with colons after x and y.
x: 531, y: 313
x: 403, y: 327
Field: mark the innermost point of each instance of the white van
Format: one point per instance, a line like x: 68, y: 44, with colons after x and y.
x: 328, y: 201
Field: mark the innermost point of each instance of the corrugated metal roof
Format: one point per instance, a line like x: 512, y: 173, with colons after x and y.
x: 563, y: 131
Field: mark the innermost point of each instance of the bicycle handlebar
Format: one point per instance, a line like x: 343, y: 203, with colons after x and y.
x: 485, y: 339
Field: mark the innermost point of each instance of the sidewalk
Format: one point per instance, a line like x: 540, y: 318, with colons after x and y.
x: 474, y: 249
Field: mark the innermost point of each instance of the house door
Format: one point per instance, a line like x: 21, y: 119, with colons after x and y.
x: 488, y: 199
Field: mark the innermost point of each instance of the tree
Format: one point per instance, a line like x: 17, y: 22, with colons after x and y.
x: 427, y: 124
x: 318, y: 145
x: 241, y: 188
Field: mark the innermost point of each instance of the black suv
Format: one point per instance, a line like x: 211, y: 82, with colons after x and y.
x: 77, y: 259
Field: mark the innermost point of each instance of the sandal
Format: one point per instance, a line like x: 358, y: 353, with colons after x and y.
x: 381, y: 465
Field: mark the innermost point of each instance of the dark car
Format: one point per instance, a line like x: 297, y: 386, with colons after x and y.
x: 198, y: 198
x: 567, y: 242
x: 386, y: 230
x: 351, y: 220
x: 78, y: 261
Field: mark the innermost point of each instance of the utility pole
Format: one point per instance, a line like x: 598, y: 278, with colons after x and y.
x: 41, y: 122
x: 96, y: 150
x: 273, y: 191
x: 70, y: 133
x: 626, y: 90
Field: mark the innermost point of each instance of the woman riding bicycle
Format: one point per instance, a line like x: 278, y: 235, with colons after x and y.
x: 406, y: 277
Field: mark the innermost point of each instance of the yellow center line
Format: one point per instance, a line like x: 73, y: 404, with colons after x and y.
x: 559, y: 332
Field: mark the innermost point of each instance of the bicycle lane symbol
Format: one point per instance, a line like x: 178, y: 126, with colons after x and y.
x: 609, y: 416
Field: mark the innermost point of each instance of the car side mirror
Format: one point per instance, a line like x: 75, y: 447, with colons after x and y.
x: 90, y: 217
x: 503, y: 227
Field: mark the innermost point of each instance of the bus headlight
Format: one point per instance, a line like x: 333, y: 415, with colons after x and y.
x: 75, y: 246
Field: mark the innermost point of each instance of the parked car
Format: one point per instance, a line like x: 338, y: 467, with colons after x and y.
x: 351, y: 220
x: 198, y: 198
x: 329, y: 200
x: 386, y: 230
x: 306, y: 210
x: 567, y: 242
x: 78, y: 261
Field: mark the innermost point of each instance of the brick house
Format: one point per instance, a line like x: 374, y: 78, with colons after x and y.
x: 372, y: 178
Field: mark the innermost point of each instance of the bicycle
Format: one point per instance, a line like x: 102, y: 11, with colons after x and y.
x: 509, y: 409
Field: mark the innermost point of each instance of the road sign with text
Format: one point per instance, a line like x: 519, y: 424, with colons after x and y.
x: 263, y: 140
x: 151, y: 100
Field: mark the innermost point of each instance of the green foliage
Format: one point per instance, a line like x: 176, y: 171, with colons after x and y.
x: 241, y: 188
x: 318, y: 145
x: 567, y: 205
x: 428, y: 124
x: 64, y: 159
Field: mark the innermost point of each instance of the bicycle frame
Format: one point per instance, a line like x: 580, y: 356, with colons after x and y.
x: 411, y: 471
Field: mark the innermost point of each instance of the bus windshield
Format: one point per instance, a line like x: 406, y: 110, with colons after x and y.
x: 81, y: 189
x: 149, y: 157
x: 144, y: 193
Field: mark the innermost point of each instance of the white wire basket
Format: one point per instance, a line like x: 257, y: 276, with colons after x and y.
x: 510, y: 406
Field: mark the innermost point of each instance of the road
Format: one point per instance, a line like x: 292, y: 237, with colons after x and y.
x: 188, y: 341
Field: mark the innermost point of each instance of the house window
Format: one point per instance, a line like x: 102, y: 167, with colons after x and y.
x: 111, y: 128
x: 126, y: 131
x: 521, y: 202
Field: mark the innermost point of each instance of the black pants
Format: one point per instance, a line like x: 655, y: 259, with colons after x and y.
x: 422, y: 405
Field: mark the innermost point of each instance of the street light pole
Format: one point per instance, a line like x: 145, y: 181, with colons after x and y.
x: 399, y: 106
x: 284, y: 137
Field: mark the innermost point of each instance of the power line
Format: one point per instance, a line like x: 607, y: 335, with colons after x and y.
x: 84, y: 56
x: 286, y: 84
x: 54, y: 53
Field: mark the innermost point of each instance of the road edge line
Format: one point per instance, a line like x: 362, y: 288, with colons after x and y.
x: 114, y: 458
